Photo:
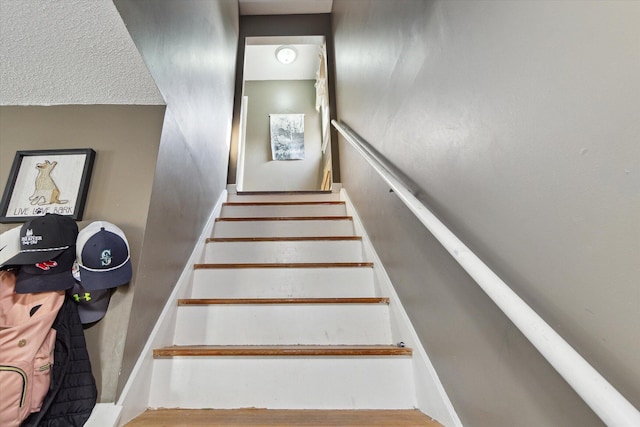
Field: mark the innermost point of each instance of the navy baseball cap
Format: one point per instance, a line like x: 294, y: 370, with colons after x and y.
x: 44, y: 238
x: 46, y: 276
x: 103, y: 257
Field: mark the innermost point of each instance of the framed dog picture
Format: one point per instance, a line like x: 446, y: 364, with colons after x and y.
x: 47, y: 181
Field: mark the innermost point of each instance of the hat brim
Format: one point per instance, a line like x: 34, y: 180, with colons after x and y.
x: 27, y: 283
x: 93, y: 280
x: 93, y: 310
x: 34, y: 257
x: 93, y: 313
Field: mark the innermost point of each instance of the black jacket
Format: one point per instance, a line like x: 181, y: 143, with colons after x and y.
x: 72, y: 394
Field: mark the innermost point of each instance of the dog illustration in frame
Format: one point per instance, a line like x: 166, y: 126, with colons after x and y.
x: 46, y: 191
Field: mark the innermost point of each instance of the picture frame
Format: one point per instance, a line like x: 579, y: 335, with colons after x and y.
x: 47, y: 181
x: 287, y: 136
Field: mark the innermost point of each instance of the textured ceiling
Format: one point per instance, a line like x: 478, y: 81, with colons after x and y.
x: 70, y: 52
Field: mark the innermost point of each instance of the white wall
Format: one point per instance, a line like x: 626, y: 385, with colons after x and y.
x: 261, y: 173
x: 519, y: 122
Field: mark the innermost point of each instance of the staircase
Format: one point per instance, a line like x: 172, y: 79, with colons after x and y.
x: 283, y: 315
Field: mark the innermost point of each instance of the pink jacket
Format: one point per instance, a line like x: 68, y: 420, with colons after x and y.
x: 26, y: 349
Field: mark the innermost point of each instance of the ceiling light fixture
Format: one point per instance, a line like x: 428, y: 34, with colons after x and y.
x: 286, y: 54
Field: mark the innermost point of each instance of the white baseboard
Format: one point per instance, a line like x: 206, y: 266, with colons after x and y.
x: 135, y: 395
x: 103, y: 415
x: 430, y: 393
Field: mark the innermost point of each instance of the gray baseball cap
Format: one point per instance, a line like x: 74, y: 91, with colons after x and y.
x: 92, y: 305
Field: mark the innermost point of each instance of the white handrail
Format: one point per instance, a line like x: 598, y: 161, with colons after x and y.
x: 593, y: 388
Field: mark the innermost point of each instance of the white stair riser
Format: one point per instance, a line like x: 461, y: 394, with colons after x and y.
x: 283, y: 283
x: 252, y: 211
x: 283, y: 383
x: 291, y: 228
x: 282, y: 324
x: 284, y: 251
x: 320, y: 197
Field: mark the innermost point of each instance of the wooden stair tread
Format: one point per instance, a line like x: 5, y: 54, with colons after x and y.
x: 328, y: 202
x: 286, y: 218
x: 283, y: 239
x: 285, y: 265
x: 281, y: 350
x: 279, y: 193
x: 282, y: 417
x: 212, y: 301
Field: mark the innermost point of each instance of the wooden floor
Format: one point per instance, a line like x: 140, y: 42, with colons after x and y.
x: 270, y: 417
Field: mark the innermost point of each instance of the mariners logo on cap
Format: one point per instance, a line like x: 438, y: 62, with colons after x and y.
x: 105, y: 257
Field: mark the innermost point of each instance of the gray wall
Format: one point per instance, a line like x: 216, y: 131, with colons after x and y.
x: 190, y: 49
x: 519, y: 121
x: 261, y: 173
x: 126, y: 140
